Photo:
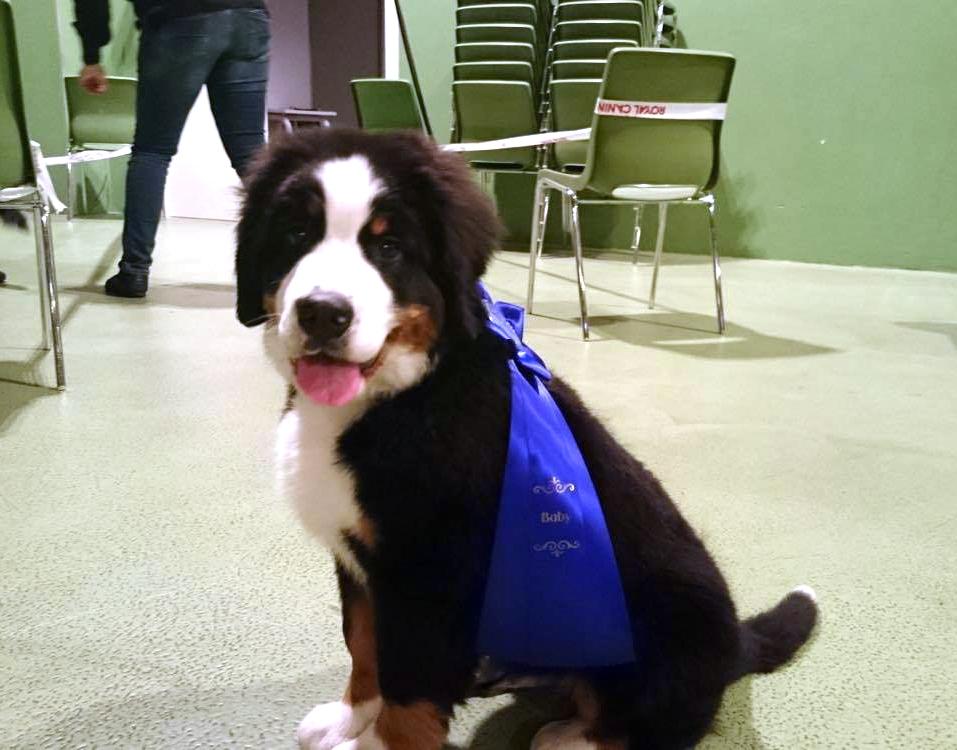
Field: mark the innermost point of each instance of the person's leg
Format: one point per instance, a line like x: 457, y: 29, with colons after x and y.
x: 237, y: 87
x: 175, y: 61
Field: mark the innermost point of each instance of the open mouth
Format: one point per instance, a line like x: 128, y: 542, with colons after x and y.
x: 331, y: 381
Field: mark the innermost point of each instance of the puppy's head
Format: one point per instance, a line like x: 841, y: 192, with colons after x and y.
x: 360, y: 253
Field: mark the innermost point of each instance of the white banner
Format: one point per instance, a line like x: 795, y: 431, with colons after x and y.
x: 522, y: 141
x: 661, y: 110
x: 83, y: 157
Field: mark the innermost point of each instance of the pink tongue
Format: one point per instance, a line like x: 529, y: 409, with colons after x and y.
x: 327, y: 383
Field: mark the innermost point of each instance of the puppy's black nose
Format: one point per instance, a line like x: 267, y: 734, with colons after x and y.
x: 324, y: 316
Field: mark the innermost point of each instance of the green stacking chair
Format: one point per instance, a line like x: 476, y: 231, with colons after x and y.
x: 524, y: 13
x: 501, y: 70
x: 98, y: 122
x: 572, y: 106
x: 489, y: 110
x: 635, y: 161
x: 567, y: 31
x: 592, y: 10
x: 522, y: 33
x: 19, y: 189
x: 589, y: 49
x: 573, y: 69
x: 385, y: 104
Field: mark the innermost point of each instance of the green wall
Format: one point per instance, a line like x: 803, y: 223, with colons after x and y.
x: 840, y: 141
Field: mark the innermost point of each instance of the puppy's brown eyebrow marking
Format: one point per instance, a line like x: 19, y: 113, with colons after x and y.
x: 379, y: 225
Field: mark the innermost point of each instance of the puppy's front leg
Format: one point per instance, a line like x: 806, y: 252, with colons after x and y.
x: 425, y: 658
x: 329, y: 725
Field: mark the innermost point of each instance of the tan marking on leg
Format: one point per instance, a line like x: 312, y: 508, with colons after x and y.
x: 420, y: 726
x: 416, y: 329
x: 360, y: 640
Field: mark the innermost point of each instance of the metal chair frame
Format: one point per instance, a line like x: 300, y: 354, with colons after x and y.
x: 571, y: 204
x: 30, y: 198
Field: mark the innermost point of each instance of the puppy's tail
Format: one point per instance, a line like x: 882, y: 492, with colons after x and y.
x: 770, y: 639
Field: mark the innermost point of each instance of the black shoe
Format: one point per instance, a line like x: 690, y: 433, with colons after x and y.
x: 127, y: 285
x: 3, y: 278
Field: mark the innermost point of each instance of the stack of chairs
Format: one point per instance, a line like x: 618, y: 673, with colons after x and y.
x: 537, y: 65
x: 499, y: 69
x: 585, y: 32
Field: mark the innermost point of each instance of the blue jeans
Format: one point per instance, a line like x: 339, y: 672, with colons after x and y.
x: 226, y: 50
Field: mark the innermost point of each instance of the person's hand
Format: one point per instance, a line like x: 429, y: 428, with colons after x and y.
x: 93, y: 79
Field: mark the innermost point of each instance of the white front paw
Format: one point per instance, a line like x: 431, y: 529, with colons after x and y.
x: 329, y: 725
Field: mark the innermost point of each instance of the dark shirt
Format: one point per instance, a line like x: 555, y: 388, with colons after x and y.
x: 93, y: 17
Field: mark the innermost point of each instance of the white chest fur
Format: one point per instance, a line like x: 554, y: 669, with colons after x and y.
x: 319, y: 488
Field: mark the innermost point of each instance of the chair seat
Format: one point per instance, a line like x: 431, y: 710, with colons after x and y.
x: 654, y: 193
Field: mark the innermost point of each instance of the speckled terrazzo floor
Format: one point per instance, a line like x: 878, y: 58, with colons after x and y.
x: 155, y: 593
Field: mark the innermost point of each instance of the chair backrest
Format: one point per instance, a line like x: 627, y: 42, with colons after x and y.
x: 489, y: 110
x: 647, y: 151
x: 567, y: 31
x: 503, y: 70
x: 104, y: 118
x: 589, y: 10
x: 572, y: 107
x: 384, y: 104
x: 496, y: 32
x: 498, y: 13
x: 578, y: 69
x: 15, y: 165
x: 589, y: 49
x: 492, y: 51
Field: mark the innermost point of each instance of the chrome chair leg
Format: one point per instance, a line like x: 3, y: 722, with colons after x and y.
x: 636, y: 239
x: 49, y: 295
x: 566, y: 214
x: 712, y: 206
x: 546, y: 203
x: 70, y: 188
x: 579, y: 261
x: 659, y: 246
x: 42, y: 286
x: 539, y: 217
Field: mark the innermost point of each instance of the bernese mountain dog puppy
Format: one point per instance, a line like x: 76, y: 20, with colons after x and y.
x: 360, y: 253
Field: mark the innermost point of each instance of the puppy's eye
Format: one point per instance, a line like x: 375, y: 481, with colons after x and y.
x: 389, y: 249
x: 296, y: 238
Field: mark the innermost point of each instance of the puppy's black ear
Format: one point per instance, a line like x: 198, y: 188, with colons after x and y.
x: 471, y: 232
x: 258, y: 187
x: 249, y: 285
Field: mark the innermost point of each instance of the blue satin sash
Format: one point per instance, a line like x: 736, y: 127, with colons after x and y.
x: 553, y: 597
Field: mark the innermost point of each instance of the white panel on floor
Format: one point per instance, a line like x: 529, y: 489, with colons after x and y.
x: 202, y: 183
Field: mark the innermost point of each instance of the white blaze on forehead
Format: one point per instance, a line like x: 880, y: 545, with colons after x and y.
x: 349, y: 186
x: 338, y: 264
